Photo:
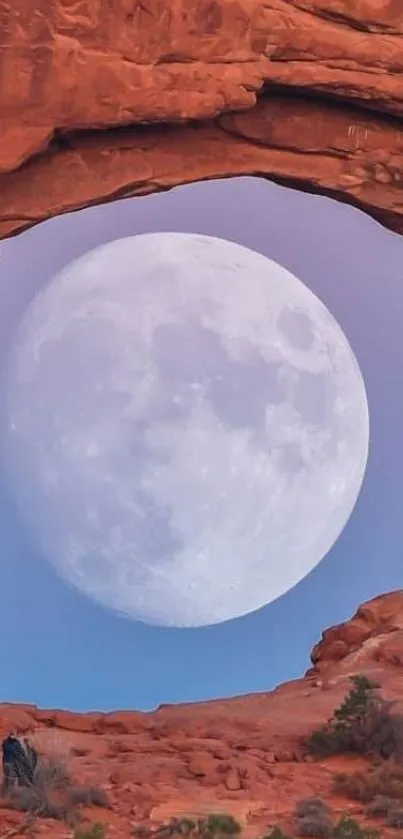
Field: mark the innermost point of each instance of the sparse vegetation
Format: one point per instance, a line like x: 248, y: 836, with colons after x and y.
x: 313, y: 818
x: 363, y: 723
x: 186, y: 826
x: 395, y: 818
x: 88, y: 796
x: 36, y: 802
x: 210, y: 827
x: 316, y: 825
x: 53, y: 794
x: 218, y: 824
x: 276, y: 833
x: 94, y: 831
x: 380, y: 806
x: 385, y: 780
x: 308, y: 806
x: 348, y: 828
x: 176, y: 827
x: 345, y: 828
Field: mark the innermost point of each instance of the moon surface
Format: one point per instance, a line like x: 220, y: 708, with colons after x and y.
x: 186, y: 428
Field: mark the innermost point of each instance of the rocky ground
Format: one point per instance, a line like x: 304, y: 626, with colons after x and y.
x: 241, y: 756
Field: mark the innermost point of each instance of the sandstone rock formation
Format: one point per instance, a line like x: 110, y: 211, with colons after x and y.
x: 240, y: 755
x: 102, y: 99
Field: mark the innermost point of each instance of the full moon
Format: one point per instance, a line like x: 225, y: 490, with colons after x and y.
x: 186, y: 428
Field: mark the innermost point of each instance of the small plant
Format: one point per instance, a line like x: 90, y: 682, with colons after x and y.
x: 36, y: 803
x: 221, y: 824
x: 183, y: 826
x: 276, y: 833
x: 94, y: 831
x: 395, y: 818
x: 52, y: 795
x: 49, y: 773
x: 88, y: 796
x: 315, y: 825
x: 357, y: 786
x: 380, y: 806
x: 308, y: 806
x: 348, y: 828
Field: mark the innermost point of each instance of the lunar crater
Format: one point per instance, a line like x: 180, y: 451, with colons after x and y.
x: 186, y: 428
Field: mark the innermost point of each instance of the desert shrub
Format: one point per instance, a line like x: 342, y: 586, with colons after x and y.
x: 363, y: 723
x: 380, y: 806
x: 348, y: 828
x: 46, y: 795
x: 219, y: 824
x: 94, y: 831
x: 356, y: 786
x: 308, y: 806
x: 51, y: 773
x: 385, y: 780
x: 88, y: 796
x: 385, y: 735
x: 395, y: 818
x: 53, y: 795
x: 276, y: 833
x: 165, y: 831
x: 216, y: 824
x: 35, y: 802
x: 183, y: 826
x: 315, y: 824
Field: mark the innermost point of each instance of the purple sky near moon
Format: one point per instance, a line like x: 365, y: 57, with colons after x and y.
x: 53, y: 634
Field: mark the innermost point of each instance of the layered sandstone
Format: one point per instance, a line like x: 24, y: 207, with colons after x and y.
x: 103, y: 99
x: 241, y: 755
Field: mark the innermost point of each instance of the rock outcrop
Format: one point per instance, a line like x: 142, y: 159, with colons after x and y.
x: 241, y: 755
x: 101, y: 99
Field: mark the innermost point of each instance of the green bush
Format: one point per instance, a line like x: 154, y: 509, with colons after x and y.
x: 276, y: 833
x: 348, y: 828
x: 95, y: 831
x: 219, y: 824
x: 363, y: 724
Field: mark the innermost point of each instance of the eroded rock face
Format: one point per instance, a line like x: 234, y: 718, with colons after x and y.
x: 373, y: 637
x: 240, y: 755
x: 102, y: 99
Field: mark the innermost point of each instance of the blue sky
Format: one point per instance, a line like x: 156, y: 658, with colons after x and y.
x: 60, y: 650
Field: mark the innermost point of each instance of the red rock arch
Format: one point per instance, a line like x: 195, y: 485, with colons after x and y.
x: 100, y: 100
